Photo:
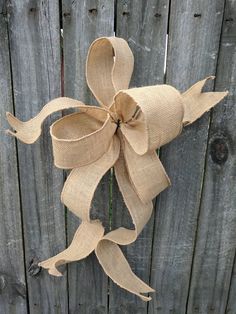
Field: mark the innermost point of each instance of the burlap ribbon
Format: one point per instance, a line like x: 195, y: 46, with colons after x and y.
x: 125, y: 133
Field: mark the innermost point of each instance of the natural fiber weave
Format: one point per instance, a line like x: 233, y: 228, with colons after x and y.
x: 123, y: 133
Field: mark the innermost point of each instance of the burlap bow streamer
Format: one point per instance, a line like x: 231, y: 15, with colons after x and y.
x: 125, y: 133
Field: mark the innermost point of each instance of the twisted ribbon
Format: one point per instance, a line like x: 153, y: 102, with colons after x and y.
x: 125, y: 133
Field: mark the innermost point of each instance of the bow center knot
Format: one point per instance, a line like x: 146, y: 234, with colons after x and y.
x: 118, y: 122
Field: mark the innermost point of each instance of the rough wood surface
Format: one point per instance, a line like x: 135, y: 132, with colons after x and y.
x: 216, y: 234
x: 227, y: 69
x: 194, y: 34
x: 231, y: 302
x: 144, y: 27
x: 187, y: 251
x: 13, y: 290
x: 84, y: 21
x: 35, y: 55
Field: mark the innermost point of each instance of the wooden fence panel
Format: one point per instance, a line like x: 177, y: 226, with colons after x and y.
x: 194, y: 34
x: 84, y: 21
x: 34, y: 34
x: 144, y: 27
x: 187, y: 250
x: 216, y: 235
x: 13, y: 290
x: 227, y: 69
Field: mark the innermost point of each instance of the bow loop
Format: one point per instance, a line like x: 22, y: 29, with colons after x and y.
x: 81, y: 132
x: 152, y: 116
x: 109, y: 68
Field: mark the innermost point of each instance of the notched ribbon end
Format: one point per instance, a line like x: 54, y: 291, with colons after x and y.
x: 196, y: 102
x: 148, y: 290
x: 144, y: 297
x: 27, y: 132
x: 51, y: 267
x: 9, y: 132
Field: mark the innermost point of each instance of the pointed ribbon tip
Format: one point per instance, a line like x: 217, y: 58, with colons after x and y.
x: 196, y: 102
x: 124, y: 133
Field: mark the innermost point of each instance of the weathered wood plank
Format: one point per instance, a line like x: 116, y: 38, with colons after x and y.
x: 216, y: 235
x: 231, y: 304
x: 34, y: 34
x: 228, y: 55
x: 144, y: 26
x: 194, y: 34
x: 13, y: 291
x: 83, y: 21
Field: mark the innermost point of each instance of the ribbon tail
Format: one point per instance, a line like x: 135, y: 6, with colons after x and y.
x: 197, y: 103
x: 77, y: 195
x: 117, y: 268
x: 108, y: 252
x: 146, y: 173
x: 84, y: 242
x: 29, y: 131
x: 79, y: 188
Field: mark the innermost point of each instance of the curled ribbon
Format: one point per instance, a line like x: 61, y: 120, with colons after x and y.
x: 124, y: 133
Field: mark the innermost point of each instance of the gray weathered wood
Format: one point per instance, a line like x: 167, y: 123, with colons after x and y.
x: 227, y: 68
x: 13, y: 291
x: 231, y: 304
x: 35, y: 54
x: 84, y: 21
x: 194, y: 34
x: 188, y: 249
x: 144, y: 27
x: 216, y: 234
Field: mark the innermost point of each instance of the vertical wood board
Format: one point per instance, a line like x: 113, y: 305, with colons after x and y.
x: 13, y: 289
x: 193, y: 42
x: 34, y: 35
x: 84, y: 21
x: 216, y: 235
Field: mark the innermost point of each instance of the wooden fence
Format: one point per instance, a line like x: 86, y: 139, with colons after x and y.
x: 187, y: 250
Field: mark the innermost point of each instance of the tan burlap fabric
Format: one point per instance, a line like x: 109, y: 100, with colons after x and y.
x: 124, y: 133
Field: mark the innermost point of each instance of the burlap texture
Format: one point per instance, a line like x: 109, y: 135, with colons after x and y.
x: 124, y: 133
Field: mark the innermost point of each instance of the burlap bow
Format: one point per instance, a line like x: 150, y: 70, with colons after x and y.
x: 125, y: 133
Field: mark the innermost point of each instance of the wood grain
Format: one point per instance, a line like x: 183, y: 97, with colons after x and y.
x: 144, y: 27
x: 231, y: 307
x: 35, y: 54
x: 194, y: 35
x: 13, y: 290
x: 216, y: 235
x: 84, y: 21
x: 187, y: 251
